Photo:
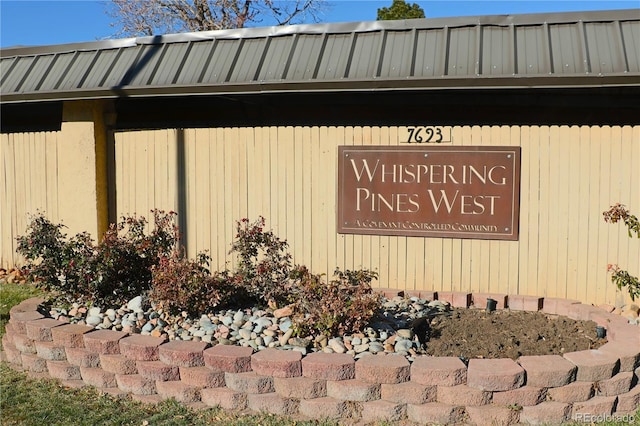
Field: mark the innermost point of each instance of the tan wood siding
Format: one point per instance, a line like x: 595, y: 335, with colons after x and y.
x: 28, y: 184
x: 569, y: 175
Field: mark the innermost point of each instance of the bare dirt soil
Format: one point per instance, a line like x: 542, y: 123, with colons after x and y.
x: 475, y: 333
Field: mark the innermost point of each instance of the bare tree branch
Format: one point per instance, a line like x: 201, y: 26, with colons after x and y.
x: 149, y: 17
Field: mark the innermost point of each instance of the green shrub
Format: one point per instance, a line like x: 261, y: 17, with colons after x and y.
x: 181, y: 284
x: 264, y: 264
x: 341, y: 306
x: 110, y: 273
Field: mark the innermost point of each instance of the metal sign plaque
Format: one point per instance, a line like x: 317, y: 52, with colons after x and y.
x: 429, y: 191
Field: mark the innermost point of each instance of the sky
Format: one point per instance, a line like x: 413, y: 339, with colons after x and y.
x: 46, y: 22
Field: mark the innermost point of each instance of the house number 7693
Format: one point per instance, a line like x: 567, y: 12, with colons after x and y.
x: 428, y: 134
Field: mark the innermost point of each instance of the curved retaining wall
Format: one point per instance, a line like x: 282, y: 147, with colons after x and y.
x: 586, y: 386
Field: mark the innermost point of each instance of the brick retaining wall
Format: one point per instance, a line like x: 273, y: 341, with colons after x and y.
x: 547, y: 389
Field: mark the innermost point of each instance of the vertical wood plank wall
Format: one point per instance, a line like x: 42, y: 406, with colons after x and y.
x: 570, y: 175
x: 288, y: 175
x: 28, y: 184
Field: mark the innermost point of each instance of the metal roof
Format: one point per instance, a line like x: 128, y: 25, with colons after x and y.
x: 581, y: 49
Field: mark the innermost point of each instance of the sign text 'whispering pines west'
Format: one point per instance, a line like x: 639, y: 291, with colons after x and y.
x: 457, y: 192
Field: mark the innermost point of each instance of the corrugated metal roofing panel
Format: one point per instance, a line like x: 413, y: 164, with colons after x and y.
x: 123, y: 68
x: 102, y: 63
x: 497, y: 51
x: 532, y: 50
x: 305, y: 57
x: 36, y: 73
x: 276, y: 58
x: 247, y: 60
x: 605, y: 48
x: 18, y: 72
x: 169, y: 64
x: 463, y: 52
x: 631, y: 44
x: 567, y: 49
x: 218, y: 68
x: 430, y: 55
x: 334, y: 57
x: 197, y: 59
x: 365, y: 55
x: 61, y: 60
x: 397, y: 57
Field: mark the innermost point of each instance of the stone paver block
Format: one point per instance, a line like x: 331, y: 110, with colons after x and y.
x: 548, y: 370
x: 323, y: 408
x: 24, y: 344
x: 618, y: 384
x: 623, y: 332
x: 158, y: 370
x: 582, y: 312
x: 136, y: 384
x: 408, y: 393
x: 19, y: 320
x: 353, y: 390
x: 34, y: 363
x: 389, y: 293
x: 183, y: 353
x: 435, y: 412
x: 249, y: 382
x: 596, y: 406
x: 118, y: 364
x: 526, y: 395
x: 272, y: 403
x: 383, y: 368
x: 104, y: 341
x: 629, y: 355
x: 40, y: 329
x: 300, y: 387
x: 462, y: 395
x: 203, y: 377
x: 141, y: 348
x: 82, y: 357
x: 376, y: 411
x: 224, y: 397
x: 593, y: 365
x: 573, y: 392
x: 51, y: 351
x: 13, y: 355
x: 492, y: 415
x: 480, y: 300
x: 277, y: 363
x: 630, y: 401
x: 325, y: 366
x: 228, y: 358
x: 519, y: 302
x: 98, y: 377
x: 556, y: 306
x: 178, y: 390
x: 494, y: 374
x: 435, y: 371
x: 545, y: 413
x: 63, y: 370
x: 70, y: 335
x: 457, y: 299
x: 28, y: 305
x: 421, y: 294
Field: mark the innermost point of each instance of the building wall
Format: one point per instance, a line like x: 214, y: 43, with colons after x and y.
x: 569, y: 175
x: 29, y: 165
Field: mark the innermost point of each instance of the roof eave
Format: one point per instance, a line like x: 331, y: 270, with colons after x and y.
x: 343, y: 85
